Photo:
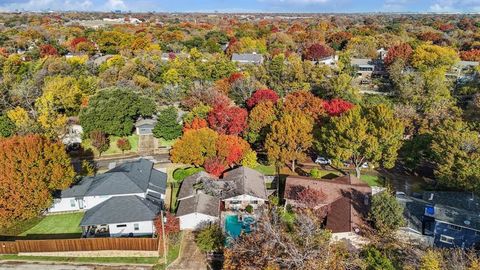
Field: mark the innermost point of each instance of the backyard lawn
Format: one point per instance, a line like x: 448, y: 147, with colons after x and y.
x: 125, y: 260
x: 266, y: 169
x: 57, y: 224
x: 133, y: 139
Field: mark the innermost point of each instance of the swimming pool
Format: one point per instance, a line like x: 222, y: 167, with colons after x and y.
x: 234, y: 227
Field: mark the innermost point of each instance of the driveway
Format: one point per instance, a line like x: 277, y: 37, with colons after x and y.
x: 190, y: 257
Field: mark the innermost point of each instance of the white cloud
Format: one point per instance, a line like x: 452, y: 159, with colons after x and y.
x: 455, y: 6
x: 115, y: 4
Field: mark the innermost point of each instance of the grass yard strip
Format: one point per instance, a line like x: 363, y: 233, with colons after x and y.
x: 266, y: 169
x: 371, y: 180
x: 57, y: 224
x: 126, y: 260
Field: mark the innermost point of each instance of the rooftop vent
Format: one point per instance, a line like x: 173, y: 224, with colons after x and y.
x: 431, y: 197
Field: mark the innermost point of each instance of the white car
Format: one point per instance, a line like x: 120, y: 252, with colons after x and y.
x: 323, y: 161
x: 364, y: 165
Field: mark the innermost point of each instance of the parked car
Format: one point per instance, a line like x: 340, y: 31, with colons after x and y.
x: 323, y: 161
x: 365, y: 165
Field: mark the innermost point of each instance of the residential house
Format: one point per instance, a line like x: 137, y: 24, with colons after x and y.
x: 127, y: 188
x: 247, y: 58
x: 202, y: 197
x: 73, y: 133
x: 448, y: 219
x: 345, y: 202
x: 145, y: 126
x: 463, y: 70
x: 172, y: 56
x: 328, y: 61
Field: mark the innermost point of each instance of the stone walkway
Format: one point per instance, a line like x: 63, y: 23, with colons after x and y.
x: 190, y: 257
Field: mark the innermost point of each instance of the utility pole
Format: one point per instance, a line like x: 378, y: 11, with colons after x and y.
x: 164, y: 239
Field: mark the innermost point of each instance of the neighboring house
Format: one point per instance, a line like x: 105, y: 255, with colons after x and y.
x: 328, y: 61
x: 382, y: 53
x: 345, y: 202
x: 203, y: 197
x: 449, y: 219
x: 367, y: 68
x: 171, y: 56
x: 98, y: 60
x: 247, y: 58
x: 464, y: 70
x: 73, y: 133
x: 145, y: 126
x: 121, y: 216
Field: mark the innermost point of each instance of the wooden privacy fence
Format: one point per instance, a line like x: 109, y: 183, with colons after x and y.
x: 59, y: 245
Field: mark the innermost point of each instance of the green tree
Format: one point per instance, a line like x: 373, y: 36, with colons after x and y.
x: 210, y: 238
x: 375, y: 260
x: 167, y: 126
x: 386, y: 213
x: 114, y: 111
x: 370, y: 134
x: 429, y: 56
x: 431, y: 260
x: 7, y: 127
x: 289, y: 138
x: 456, y: 154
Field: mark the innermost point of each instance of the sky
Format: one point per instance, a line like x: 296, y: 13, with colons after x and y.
x: 317, y: 6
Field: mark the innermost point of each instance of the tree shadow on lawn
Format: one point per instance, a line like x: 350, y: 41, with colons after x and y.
x: 41, y: 236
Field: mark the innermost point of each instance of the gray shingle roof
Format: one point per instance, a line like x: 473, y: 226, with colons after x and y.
x: 128, y: 178
x: 247, y: 57
x: 239, y: 181
x: 248, y: 181
x: 121, y: 209
x: 200, y: 203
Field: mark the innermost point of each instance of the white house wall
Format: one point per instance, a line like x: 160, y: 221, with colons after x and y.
x: 144, y: 228
x: 63, y: 204
x: 191, y: 221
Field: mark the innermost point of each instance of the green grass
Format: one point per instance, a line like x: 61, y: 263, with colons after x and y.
x: 166, y: 143
x: 371, y: 180
x: 113, y: 150
x: 57, y: 224
x: 173, y: 200
x: 182, y: 173
x: 265, y: 169
x: 125, y: 260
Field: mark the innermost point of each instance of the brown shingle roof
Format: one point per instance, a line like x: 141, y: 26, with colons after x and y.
x: 345, y: 197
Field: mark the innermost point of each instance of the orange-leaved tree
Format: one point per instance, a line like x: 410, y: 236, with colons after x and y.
x: 31, y: 167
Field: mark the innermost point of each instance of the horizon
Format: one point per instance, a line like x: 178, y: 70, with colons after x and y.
x: 247, y: 6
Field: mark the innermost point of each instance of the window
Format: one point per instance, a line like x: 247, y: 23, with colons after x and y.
x: 254, y: 202
x: 136, y: 227
x: 446, y: 239
x: 72, y: 203
x: 454, y: 227
x: 121, y: 225
x: 235, y: 202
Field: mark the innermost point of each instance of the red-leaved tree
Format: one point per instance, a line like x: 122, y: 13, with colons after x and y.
x: 215, y: 166
x: 171, y: 226
x: 262, y: 95
x: 228, y: 120
x: 402, y: 51
x: 336, y: 107
x: 472, y: 55
x: 48, y: 50
x: 197, y: 123
x: 317, y: 51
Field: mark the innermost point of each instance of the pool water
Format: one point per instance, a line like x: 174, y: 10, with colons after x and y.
x: 234, y: 227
